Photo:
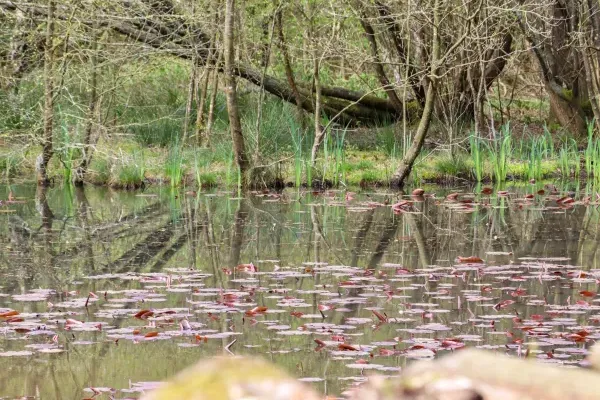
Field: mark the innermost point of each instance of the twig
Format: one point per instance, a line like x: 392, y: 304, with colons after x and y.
x: 229, y: 345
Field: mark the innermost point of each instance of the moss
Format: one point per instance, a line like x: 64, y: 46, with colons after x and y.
x: 586, y: 106
x: 567, y: 94
x: 231, y: 377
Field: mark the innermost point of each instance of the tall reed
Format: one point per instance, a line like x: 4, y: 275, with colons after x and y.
x: 174, y: 169
x: 537, y: 149
x: 500, y: 152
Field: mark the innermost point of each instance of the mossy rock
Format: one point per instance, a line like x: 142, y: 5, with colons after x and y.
x: 229, y: 378
x: 481, y: 375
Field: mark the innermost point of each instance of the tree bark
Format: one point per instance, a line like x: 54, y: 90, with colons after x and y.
x: 88, y: 149
x: 403, y: 171
x: 203, y: 89
x: 564, y: 107
x: 190, y: 101
x: 319, y: 132
x: 213, y: 98
x: 211, y: 63
x: 44, y: 158
x: 289, y: 72
x: 413, y: 77
x: 378, y: 66
x: 237, y: 136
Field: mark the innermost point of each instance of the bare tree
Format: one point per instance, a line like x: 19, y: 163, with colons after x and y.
x: 44, y: 158
x: 235, y: 125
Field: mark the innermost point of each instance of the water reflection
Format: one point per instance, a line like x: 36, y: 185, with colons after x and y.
x: 313, y: 248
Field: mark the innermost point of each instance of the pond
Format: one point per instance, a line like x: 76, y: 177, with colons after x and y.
x: 115, y: 291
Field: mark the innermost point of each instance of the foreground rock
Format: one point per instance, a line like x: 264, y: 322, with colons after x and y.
x: 229, y: 378
x: 475, y: 374
x: 465, y: 375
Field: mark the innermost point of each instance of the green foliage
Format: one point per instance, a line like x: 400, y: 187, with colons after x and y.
x: 9, y: 165
x: 100, y: 170
x: 569, y: 159
x: 207, y: 179
x: 174, y: 168
x: 67, y: 149
x: 130, y: 174
x: 537, y: 151
x: 369, y: 177
x: 500, y: 152
x: 452, y: 166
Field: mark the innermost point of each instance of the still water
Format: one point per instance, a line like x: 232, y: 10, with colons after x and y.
x: 331, y: 286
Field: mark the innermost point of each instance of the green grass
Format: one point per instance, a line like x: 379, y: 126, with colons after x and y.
x: 129, y: 173
x: 174, y: 168
x: 207, y: 179
x: 9, y: 165
x: 146, y: 124
x: 67, y: 150
x: 500, y: 153
x: 370, y: 177
x: 537, y: 152
x: 99, y: 170
x: 452, y: 166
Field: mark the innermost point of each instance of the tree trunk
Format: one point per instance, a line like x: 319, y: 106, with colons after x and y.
x: 403, y: 171
x: 88, y: 149
x: 566, y: 111
x: 213, y: 98
x: 235, y: 125
x: 203, y: 88
x: 395, y: 32
x: 44, y: 158
x: 558, y: 69
x: 319, y: 132
x: 378, y: 66
x: 266, y: 57
x: 289, y: 72
x: 190, y: 101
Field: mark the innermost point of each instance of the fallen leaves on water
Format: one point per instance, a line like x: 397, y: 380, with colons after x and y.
x: 470, y: 260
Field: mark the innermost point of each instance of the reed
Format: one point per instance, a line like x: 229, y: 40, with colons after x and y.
x: 476, y: 156
x: 537, y: 149
x: 174, y: 168
x: 500, y: 152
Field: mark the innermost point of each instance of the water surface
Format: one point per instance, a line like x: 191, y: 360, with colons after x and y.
x: 329, y: 268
